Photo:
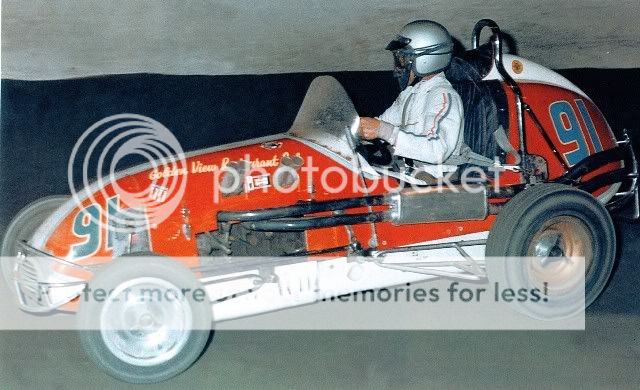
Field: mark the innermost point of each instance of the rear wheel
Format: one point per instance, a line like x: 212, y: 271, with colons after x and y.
x: 153, y: 324
x: 554, y: 222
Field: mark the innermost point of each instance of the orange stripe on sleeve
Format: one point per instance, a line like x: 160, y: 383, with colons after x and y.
x: 436, y: 119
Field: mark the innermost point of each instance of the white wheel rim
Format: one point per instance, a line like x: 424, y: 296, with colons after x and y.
x: 562, y: 239
x: 142, y: 328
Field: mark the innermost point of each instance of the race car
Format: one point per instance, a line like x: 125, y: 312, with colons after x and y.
x: 541, y: 176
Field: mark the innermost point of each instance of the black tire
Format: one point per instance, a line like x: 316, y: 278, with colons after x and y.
x: 92, y: 335
x: 24, y: 225
x: 530, y: 211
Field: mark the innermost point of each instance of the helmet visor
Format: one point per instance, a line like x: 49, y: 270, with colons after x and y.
x: 402, y: 64
x: 399, y: 43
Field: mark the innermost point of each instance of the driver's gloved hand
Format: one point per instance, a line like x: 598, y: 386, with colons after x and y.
x: 372, y: 128
x: 388, y: 132
x: 368, y: 129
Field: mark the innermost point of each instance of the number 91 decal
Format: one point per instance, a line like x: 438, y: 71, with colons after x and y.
x: 570, y: 132
x: 119, y: 237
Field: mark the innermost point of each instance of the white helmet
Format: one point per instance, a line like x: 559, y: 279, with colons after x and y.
x: 423, y: 46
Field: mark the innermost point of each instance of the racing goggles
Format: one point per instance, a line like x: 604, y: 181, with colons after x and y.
x: 400, y: 46
x: 404, y: 57
x: 402, y: 63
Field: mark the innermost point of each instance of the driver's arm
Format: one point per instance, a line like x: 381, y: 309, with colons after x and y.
x: 371, y: 128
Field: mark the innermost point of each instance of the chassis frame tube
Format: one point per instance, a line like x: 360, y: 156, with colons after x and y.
x: 496, y: 43
x: 300, y: 209
x: 591, y: 163
x: 605, y: 179
x: 299, y: 224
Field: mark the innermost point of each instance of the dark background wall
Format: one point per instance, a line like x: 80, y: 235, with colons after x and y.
x: 41, y: 120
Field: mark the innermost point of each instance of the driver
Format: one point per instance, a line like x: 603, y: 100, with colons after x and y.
x: 425, y: 123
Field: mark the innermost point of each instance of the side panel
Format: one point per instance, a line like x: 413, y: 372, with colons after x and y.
x: 574, y: 124
x: 83, y: 233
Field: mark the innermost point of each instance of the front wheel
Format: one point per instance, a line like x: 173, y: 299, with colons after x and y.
x: 144, y: 319
x: 553, y: 222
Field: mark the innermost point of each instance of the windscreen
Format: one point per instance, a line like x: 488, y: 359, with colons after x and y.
x: 327, y: 117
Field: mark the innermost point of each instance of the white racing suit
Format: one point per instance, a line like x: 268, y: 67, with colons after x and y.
x: 425, y: 124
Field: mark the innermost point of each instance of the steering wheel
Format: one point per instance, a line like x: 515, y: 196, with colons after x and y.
x: 376, y: 152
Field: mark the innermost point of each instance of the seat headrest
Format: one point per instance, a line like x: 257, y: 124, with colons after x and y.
x: 461, y: 71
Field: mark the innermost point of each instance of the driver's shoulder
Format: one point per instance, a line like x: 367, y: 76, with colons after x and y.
x: 442, y: 93
x: 437, y: 85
